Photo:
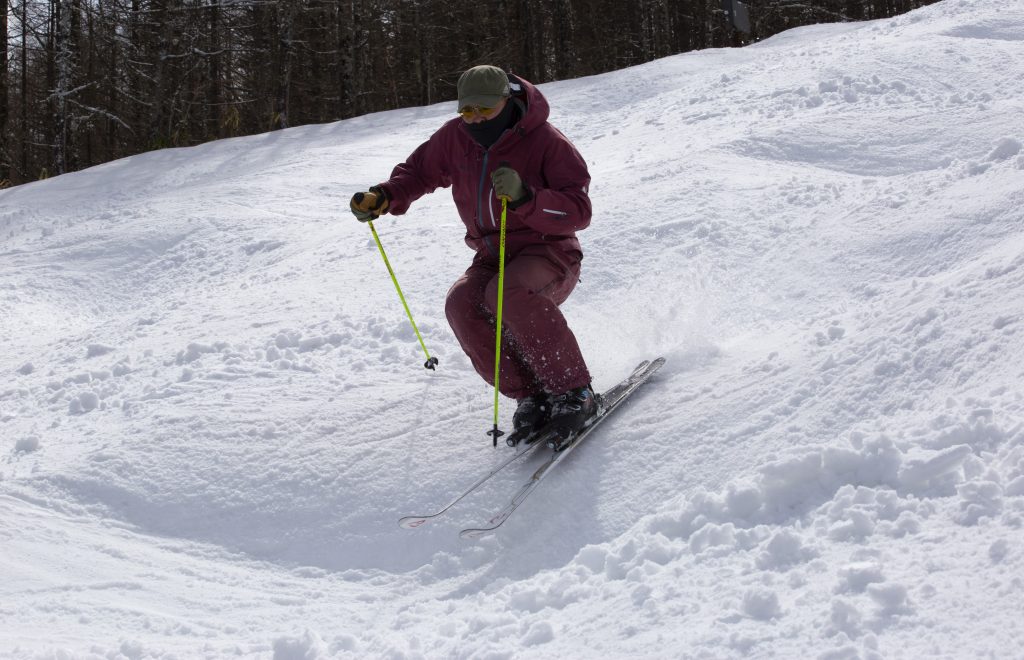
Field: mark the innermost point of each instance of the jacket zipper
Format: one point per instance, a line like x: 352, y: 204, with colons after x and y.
x: 480, y: 196
x: 480, y: 193
x: 480, y: 203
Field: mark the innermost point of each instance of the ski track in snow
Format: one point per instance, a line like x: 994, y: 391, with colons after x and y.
x: 214, y: 411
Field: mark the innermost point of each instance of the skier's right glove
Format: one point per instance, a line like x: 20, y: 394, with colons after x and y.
x: 369, y: 205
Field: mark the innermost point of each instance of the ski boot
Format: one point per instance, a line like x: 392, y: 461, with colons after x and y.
x: 570, y: 413
x: 531, y: 415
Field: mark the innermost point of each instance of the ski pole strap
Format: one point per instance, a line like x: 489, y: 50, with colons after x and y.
x: 495, y: 432
x: 431, y: 361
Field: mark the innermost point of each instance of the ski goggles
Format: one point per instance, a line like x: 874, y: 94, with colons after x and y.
x: 470, y: 111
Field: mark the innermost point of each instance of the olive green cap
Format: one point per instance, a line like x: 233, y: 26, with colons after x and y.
x: 483, y: 85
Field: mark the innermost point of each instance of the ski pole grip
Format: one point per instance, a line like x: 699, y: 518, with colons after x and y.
x: 501, y: 165
x: 371, y: 197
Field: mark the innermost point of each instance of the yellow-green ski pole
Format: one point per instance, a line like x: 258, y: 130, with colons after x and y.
x: 431, y: 361
x: 495, y: 432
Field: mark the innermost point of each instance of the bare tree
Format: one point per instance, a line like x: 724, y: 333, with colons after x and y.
x: 5, y: 155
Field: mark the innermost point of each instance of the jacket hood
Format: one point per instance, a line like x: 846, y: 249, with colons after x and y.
x: 537, y: 108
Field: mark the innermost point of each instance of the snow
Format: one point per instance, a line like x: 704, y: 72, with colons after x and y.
x: 215, y: 412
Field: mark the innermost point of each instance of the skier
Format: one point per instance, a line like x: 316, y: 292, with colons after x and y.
x: 502, y: 146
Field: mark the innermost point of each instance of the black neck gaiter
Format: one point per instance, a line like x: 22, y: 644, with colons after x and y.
x: 486, y: 133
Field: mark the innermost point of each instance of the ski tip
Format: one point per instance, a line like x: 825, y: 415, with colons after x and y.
x: 648, y: 366
x: 411, y: 522
x: 473, y: 534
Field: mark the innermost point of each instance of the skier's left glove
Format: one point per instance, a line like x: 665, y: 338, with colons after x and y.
x: 507, y: 183
x: 369, y: 205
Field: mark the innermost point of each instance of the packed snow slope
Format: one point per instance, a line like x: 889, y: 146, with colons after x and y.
x: 213, y: 410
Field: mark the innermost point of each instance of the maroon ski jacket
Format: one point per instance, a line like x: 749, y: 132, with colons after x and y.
x: 548, y: 163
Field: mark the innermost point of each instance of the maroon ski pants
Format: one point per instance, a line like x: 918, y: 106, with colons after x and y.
x: 539, y: 352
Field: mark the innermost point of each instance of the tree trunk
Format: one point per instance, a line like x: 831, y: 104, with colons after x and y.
x: 343, y: 18
x: 5, y: 155
x: 214, y: 83
x: 23, y: 128
x: 283, y: 68
x: 159, y: 135
x: 63, y: 62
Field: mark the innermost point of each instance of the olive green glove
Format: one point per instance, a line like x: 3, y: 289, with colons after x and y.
x: 369, y: 205
x: 508, y: 184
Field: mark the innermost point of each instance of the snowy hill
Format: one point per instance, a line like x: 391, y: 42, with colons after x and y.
x: 214, y: 412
